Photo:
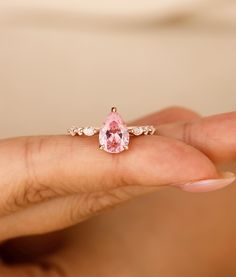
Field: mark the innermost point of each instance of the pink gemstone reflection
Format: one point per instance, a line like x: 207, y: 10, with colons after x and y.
x: 114, y: 135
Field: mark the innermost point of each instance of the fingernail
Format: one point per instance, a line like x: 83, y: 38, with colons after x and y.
x: 210, y: 184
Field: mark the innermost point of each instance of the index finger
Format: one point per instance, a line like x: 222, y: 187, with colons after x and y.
x: 213, y: 135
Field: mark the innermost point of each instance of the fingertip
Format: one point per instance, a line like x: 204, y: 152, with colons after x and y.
x: 208, y: 185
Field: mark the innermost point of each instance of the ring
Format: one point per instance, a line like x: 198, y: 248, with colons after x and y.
x: 114, y: 135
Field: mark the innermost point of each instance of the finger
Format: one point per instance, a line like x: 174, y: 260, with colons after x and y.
x: 214, y: 135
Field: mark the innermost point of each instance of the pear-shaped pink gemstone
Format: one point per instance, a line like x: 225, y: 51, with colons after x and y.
x: 114, y: 135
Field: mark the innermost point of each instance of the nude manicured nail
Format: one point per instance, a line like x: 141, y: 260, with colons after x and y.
x: 210, y: 184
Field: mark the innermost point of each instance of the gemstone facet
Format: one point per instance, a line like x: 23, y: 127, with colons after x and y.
x: 114, y: 135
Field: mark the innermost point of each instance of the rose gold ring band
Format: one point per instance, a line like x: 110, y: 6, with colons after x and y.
x: 91, y: 131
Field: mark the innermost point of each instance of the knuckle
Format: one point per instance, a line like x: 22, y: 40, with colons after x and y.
x: 75, y: 209
x: 82, y: 206
x: 33, y: 190
x: 27, y: 195
x: 30, y: 189
x: 187, y: 133
x: 86, y: 205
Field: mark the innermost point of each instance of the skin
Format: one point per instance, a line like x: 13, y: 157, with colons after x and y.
x: 54, y: 182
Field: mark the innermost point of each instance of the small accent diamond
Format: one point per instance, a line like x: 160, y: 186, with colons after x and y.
x: 89, y: 131
x: 145, y: 130
x: 80, y: 131
x: 72, y: 131
x: 137, y: 131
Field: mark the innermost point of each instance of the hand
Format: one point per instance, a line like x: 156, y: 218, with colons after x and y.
x: 52, y: 186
